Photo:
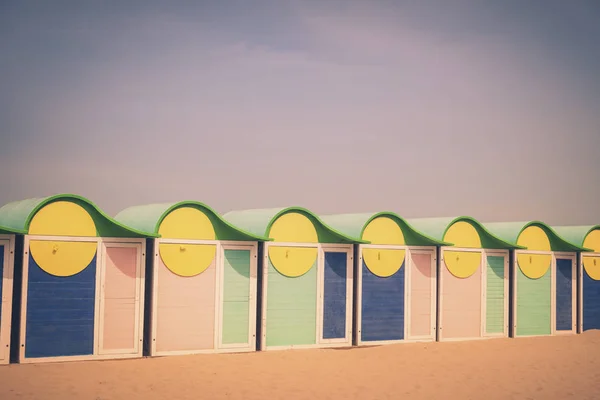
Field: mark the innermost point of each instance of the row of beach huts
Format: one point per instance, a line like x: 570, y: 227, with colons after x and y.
x: 179, y: 278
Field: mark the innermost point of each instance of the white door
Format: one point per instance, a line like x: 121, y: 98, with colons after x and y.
x: 237, y: 299
x: 6, y: 275
x: 121, y: 291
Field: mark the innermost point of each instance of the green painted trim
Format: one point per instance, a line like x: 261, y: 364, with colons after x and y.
x: 22, y: 221
x: 494, y: 242
x: 326, y: 227
x: 438, y: 227
x: 576, y: 234
x: 260, y: 221
x: 512, y: 231
x: 428, y: 240
x: 355, y: 224
x: 248, y: 235
x: 10, y: 231
x: 163, y: 209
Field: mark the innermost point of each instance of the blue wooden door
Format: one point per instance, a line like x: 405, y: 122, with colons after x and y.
x: 2, y: 322
x: 382, y: 308
x: 564, y: 294
x: 335, y: 283
x: 591, y: 302
x: 60, y: 312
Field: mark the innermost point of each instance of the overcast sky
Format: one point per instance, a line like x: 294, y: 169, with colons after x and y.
x: 426, y: 108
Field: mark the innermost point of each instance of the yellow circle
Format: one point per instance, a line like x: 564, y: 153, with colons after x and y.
x: 462, y: 264
x: 187, y: 223
x: 383, y: 262
x: 62, y: 218
x: 534, y: 266
x: 293, y: 227
x: 592, y: 241
x: 591, y: 264
x: 292, y: 261
x: 463, y: 234
x: 62, y: 258
x: 383, y: 230
x: 187, y: 259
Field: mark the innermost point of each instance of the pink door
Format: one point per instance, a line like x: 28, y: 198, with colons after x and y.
x: 120, y: 295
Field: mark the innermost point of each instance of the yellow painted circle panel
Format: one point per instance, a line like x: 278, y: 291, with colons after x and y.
x: 187, y: 259
x: 591, y: 264
x: 463, y: 234
x: 292, y: 261
x: 462, y: 264
x: 293, y: 227
x: 62, y: 218
x: 62, y: 258
x: 534, y: 238
x: 383, y: 230
x: 592, y: 241
x: 383, y: 262
x: 187, y: 223
x: 534, y: 266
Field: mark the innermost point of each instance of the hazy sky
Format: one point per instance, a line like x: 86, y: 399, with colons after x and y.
x: 426, y: 108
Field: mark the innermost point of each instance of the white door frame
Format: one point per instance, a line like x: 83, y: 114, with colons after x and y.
x: 252, y: 247
x: 139, y: 300
x: 555, y: 255
x: 8, y: 241
x: 580, y: 273
x: 327, y: 248
x: 99, y: 270
x: 319, y: 343
x: 409, y: 251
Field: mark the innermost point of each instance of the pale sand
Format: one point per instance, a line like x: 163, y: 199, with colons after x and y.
x: 566, y: 367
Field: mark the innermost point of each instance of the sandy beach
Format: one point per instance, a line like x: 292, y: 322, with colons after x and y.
x: 564, y: 367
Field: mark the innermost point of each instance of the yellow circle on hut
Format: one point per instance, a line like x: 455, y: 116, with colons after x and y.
x: 62, y: 258
x: 463, y: 234
x: 293, y: 228
x: 534, y: 266
x: 591, y: 264
x: 383, y: 262
x: 187, y: 259
x: 462, y: 264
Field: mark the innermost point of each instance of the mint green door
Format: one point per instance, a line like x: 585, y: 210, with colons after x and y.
x: 495, y: 294
x: 239, y: 291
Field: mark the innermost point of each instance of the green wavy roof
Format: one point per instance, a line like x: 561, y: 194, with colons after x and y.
x: 259, y: 222
x: 148, y: 217
x: 355, y: 224
x: 511, y: 231
x: 17, y: 216
x: 9, y: 231
x: 437, y: 228
x: 576, y: 234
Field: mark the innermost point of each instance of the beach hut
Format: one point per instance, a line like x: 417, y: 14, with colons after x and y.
x: 543, y: 279
x: 395, y: 278
x: 202, y: 280
x: 7, y: 252
x: 78, y: 282
x: 589, y: 273
x: 306, y: 279
x: 472, y: 278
